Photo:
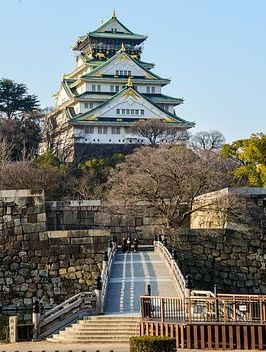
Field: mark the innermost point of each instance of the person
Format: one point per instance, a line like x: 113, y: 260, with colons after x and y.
x: 124, y: 244
x: 135, y: 244
x: 128, y: 244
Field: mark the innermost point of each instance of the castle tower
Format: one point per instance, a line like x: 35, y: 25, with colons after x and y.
x: 109, y: 89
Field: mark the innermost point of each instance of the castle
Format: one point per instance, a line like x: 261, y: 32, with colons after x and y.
x: 110, y: 88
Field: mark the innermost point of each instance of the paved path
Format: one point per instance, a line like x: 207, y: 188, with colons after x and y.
x: 130, y: 275
x: 42, y: 346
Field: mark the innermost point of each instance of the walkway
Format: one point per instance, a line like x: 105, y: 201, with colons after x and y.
x: 130, y: 275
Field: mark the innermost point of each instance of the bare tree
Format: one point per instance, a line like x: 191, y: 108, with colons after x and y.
x: 159, y: 132
x: 56, y: 140
x: 163, y: 179
x: 27, y: 175
x: 6, y: 150
x: 207, y: 140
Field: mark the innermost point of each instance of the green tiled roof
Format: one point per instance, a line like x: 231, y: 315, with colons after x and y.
x: 161, y: 98
x: 105, y: 63
x: 101, y: 33
x: 116, y: 35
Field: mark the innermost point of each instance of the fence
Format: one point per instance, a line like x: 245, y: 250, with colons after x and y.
x: 221, y: 309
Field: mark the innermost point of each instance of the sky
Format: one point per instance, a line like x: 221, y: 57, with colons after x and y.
x: 213, y: 50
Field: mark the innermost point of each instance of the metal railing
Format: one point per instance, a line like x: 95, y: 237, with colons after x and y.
x: 221, y: 309
x: 177, y: 275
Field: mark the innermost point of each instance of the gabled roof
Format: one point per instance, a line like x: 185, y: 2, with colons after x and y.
x: 130, y: 91
x: 120, y: 54
x: 104, y: 31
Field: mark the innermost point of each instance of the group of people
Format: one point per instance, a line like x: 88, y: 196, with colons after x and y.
x: 127, y: 245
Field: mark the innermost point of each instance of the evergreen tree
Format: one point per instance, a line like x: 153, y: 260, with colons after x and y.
x: 15, y: 100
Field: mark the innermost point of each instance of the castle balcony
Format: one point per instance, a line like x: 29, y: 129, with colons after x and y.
x: 115, y: 47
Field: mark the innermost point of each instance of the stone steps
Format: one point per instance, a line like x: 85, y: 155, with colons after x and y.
x: 103, y: 329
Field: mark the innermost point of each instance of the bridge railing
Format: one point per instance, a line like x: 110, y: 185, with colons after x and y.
x: 179, y: 279
x: 221, y: 309
x: 83, y: 301
x: 106, y: 271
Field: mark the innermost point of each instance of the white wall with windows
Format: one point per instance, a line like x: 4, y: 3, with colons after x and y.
x: 107, y: 135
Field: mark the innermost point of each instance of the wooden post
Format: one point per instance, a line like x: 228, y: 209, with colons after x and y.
x: 162, y: 309
x: 13, y: 329
x: 261, y: 312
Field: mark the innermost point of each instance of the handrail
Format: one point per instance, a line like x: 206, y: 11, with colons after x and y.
x: 106, y: 271
x: 179, y: 279
x: 204, y: 309
x: 81, y: 302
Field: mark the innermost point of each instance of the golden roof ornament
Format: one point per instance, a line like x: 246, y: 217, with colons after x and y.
x: 123, y: 47
x: 113, y: 13
x: 129, y: 82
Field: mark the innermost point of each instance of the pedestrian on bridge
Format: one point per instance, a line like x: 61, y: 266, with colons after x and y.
x: 135, y: 245
x: 124, y: 245
x: 128, y: 245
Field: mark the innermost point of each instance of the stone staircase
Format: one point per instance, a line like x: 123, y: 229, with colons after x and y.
x: 100, y: 329
x: 129, y: 277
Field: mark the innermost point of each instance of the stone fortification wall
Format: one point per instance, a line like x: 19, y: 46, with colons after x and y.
x: 91, y: 214
x: 54, y: 250
x: 34, y: 262
x: 233, y: 260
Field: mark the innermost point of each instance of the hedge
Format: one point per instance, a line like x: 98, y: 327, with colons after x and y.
x: 152, y: 344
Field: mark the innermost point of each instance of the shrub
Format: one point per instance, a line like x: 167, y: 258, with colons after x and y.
x: 152, y: 344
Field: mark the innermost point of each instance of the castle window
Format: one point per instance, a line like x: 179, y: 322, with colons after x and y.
x: 117, y: 73
x: 123, y: 111
x: 148, y: 90
x: 100, y: 130
x: 86, y: 105
x: 110, y: 140
x: 136, y: 111
x: 112, y: 88
x: 91, y: 105
x: 89, y: 129
x: 93, y: 87
x: 129, y: 73
x: 98, y: 88
x: 142, y: 112
x: 153, y: 89
x: 128, y: 111
x: 121, y: 73
x: 117, y: 88
x: 118, y: 111
x: 115, y: 130
x: 105, y: 130
x: 132, y: 111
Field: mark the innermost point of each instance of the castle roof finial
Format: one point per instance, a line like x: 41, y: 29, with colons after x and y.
x: 113, y: 13
x: 129, y: 82
x: 123, y: 47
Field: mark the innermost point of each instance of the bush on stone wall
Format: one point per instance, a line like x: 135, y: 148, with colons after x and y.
x: 152, y: 344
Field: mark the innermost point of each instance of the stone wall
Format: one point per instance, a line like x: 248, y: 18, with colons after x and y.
x: 85, y: 151
x: 91, y: 214
x: 54, y: 250
x: 233, y: 260
x: 34, y: 262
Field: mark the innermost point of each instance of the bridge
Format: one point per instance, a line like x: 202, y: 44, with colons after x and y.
x: 123, y: 306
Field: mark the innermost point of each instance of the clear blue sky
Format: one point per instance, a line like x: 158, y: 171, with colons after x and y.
x: 213, y: 50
